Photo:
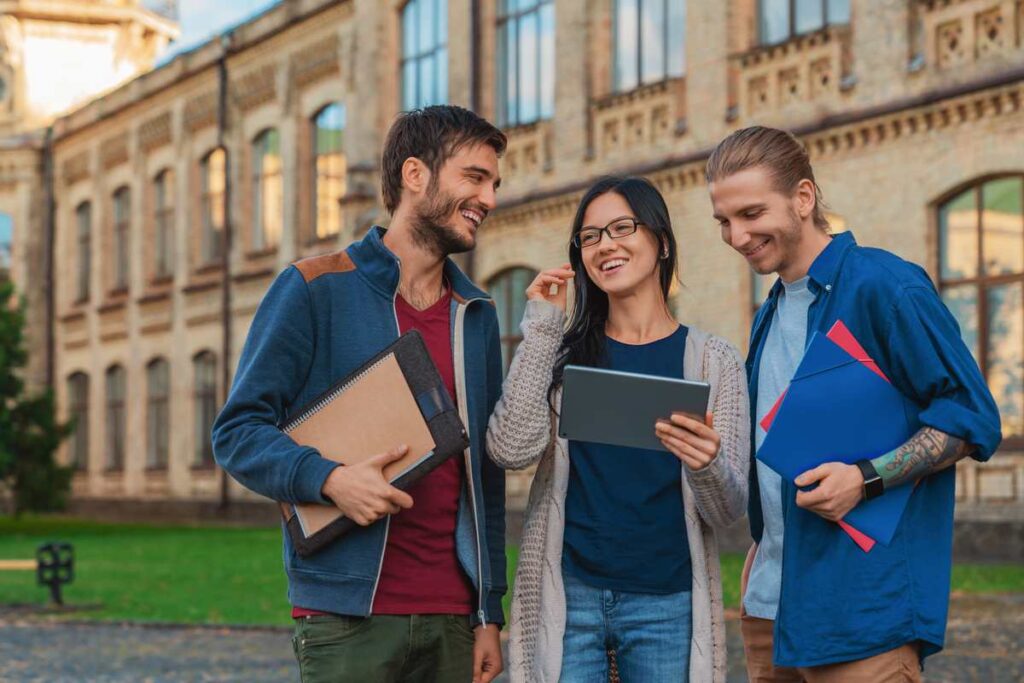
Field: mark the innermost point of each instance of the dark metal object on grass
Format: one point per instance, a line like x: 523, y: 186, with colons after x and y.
x: 55, y: 567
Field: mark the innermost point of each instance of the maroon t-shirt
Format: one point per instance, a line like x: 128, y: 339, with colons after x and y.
x: 421, y: 572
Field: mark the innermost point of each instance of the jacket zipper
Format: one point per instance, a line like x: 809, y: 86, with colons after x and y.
x: 387, y: 521
x: 460, y: 388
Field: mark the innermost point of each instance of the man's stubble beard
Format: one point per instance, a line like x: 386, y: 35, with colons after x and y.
x: 788, y: 243
x: 429, y: 230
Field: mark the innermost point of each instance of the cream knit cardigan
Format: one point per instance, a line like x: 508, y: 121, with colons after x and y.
x: 523, y: 431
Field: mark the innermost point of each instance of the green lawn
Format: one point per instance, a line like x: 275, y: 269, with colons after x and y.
x: 234, y: 576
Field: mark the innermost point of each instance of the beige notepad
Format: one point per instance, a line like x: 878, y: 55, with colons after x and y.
x: 373, y: 413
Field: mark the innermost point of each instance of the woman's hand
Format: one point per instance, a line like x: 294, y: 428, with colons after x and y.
x: 694, y: 442
x: 540, y: 288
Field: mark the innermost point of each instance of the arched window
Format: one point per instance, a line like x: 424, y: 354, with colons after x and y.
x: 650, y: 42
x: 508, y: 289
x: 83, y: 224
x: 78, y: 413
x: 115, y: 417
x: 424, y: 53
x: 6, y: 241
x: 122, y: 235
x: 163, y: 223
x: 981, y: 277
x: 267, y: 190
x: 329, y: 169
x: 158, y: 413
x: 204, y: 366
x: 213, y: 204
x: 526, y: 61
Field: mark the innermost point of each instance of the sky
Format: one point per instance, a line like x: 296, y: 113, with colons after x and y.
x: 200, y: 20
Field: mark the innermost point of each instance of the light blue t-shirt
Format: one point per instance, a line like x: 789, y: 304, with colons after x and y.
x: 783, y: 350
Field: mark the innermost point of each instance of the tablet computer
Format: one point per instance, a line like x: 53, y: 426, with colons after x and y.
x: 621, y: 408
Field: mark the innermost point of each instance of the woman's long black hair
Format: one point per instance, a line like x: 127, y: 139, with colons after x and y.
x: 583, y: 343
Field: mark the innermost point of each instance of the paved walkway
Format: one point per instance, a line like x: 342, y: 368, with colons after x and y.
x: 985, y: 642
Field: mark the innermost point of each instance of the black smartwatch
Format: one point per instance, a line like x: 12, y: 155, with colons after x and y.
x: 873, y: 484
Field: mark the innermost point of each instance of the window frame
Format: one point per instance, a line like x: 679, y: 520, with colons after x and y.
x: 78, y: 413
x: 511, y: 336
x: 437, y: 50
x: 326, y: 175
x: 980, y: 283
x: 262, y: 184
x: 121, y: 220
x: 158, y: 405
x: 116, y: 423
x: 6, y: 248
x: 212, y: 237
x: 508, y: 74
x: 83, y: 233
x: 163, y: 223
x: 618, y: 86
x: 791, y: 28
x: 204, y: 407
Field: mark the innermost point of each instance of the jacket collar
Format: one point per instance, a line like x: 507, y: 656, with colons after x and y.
x: 381, y: 268
x: 825, y: 268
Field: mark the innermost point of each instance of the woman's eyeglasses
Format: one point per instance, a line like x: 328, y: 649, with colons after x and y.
x: 617, y: 229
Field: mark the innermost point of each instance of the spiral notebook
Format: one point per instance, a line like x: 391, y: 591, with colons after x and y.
x: 397, y: 397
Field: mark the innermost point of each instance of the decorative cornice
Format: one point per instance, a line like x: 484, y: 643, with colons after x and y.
x: 255, y: 87
x: 636, y: 95
x: 114, y: 151
x: 201, y: 111
x: 155, y: 132
x: 769, y: 53
x: 934, y: 110
x: 315, y: 61
x: 75, y: 168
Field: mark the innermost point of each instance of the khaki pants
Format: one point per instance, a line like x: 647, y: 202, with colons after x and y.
x: 895, y: 666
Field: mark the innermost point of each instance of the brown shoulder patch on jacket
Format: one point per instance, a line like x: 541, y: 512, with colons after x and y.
x: 315, y: 266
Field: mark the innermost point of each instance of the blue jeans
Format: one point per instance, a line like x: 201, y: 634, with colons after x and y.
x: 649, y: 633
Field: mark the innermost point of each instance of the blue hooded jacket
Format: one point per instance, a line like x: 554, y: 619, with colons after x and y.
x: 321, y: 319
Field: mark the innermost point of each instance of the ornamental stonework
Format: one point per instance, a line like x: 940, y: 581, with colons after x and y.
x: 155, y: 132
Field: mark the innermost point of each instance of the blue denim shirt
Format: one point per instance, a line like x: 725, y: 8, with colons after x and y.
x: 838, y: 603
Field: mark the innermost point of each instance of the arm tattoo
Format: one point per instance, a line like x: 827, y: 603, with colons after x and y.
x: 927, y: 451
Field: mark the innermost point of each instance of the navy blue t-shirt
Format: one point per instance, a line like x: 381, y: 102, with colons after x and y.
x: 624, y: 523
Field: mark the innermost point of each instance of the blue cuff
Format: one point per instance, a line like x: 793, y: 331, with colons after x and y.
x: 309, y: 476
x: 978, y: 429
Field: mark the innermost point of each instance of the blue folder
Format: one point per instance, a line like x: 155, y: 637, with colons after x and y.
x: 838, y: 409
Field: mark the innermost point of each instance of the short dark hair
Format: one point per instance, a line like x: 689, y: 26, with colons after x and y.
x: 432, y: 135
x: 778, y: 151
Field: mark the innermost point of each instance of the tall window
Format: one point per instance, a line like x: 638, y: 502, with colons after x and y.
x: 83, y: 221
x: 122, y: 224
x: 526, y: 67
x: 158, y: 413
x: 6, y: 240
x: 424, y: 53
x: 267, y: 190
x: 78, y: 412
x: 163, y: 222
x: 508, y: 289
x: 329, y: 169
x: 650, y: 42
x: 115, y: 417
x: 205, y: 399
x: 981, y: 277
x: 780, y: 20
x: 213, y: 176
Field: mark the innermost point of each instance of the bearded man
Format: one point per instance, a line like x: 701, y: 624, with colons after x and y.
x: 415, y: 593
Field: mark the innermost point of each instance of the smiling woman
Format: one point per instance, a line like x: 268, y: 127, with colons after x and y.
x: 592, y: 496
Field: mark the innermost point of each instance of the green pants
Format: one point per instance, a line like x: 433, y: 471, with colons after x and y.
x: 432, y: 648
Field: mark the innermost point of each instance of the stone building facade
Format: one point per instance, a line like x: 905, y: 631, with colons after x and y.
x: 180, y: 194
